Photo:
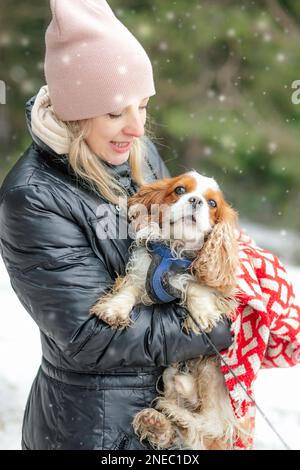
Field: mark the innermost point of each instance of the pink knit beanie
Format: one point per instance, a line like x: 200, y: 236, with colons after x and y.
x: 93, y: 64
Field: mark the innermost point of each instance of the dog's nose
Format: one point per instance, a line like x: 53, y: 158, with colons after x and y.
x: 195, y: 201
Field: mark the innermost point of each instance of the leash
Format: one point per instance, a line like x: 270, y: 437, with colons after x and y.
x: 267, y: 420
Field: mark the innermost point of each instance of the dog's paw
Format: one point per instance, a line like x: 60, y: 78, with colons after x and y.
x: 205, y: 322
x: 112, y: 313
x: 189, y: 325
x: 152, y: 425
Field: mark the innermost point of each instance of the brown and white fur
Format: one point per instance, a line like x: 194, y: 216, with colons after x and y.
x: 190, y: 215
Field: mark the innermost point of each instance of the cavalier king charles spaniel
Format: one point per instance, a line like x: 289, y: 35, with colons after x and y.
x: 189, y: 215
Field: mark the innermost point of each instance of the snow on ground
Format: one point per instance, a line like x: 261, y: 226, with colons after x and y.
x: 20, y: 355
x: 277, y: 390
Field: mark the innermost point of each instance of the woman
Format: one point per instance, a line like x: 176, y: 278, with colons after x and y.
x: 93, y: 379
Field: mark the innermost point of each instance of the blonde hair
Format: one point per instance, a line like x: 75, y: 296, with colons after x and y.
x: 88, y: 166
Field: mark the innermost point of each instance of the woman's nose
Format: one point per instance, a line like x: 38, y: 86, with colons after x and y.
x: 135, y: 126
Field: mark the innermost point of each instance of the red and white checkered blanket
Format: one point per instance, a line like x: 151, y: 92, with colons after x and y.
x: 266, y: 327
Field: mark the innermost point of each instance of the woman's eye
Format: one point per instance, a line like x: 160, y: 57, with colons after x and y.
x: 180, y: 190
x: 212, y: 203
x: 113, y: 116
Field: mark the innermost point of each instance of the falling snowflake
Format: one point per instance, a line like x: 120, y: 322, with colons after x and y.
x: 231, y: 33
x: 163, y: 46
x: 27, y: 86
x: 262, y: 25
x: 66, y: 59
x: 170, y: 15
x: 119, y: 12
x: 272, y: 146
x: 228, y: 142
x: 24, y: 41
x: 207, y: 151
x: 122, y: 69
x: 5, y: 39
x: 18, y: 73
x: 280, y: 57
x: 119, y: 98
x: 144, y: 30
x: 267, y: 37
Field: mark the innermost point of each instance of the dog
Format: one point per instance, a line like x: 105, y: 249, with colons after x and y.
x: 189, y: 215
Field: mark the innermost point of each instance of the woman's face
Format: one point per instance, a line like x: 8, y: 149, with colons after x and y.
x: 111, y: 135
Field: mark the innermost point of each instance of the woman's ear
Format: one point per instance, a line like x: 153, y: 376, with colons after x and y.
x: 217, y: 262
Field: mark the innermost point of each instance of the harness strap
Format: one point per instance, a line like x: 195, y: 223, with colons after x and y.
x: 158, y: 286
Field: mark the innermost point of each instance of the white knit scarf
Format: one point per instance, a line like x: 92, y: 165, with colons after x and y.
x: 46, y: 125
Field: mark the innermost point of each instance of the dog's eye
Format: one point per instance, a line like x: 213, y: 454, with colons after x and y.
x: 180, y: 190
x: 212, y: 203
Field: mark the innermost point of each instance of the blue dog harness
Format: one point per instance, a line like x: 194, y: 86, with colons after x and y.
x: 157, y: 283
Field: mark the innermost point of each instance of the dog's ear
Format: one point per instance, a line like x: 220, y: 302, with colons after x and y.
x: 148, y: 194
x: 151, y: 197
x: 217, y: 262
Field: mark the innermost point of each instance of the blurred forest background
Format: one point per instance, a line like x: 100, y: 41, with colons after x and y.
x: 223, y: 70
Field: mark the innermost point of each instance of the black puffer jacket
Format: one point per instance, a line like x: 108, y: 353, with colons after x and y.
x: 92, y: 379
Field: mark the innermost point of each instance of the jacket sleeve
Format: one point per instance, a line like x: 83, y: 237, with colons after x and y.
x: 57, y: 277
